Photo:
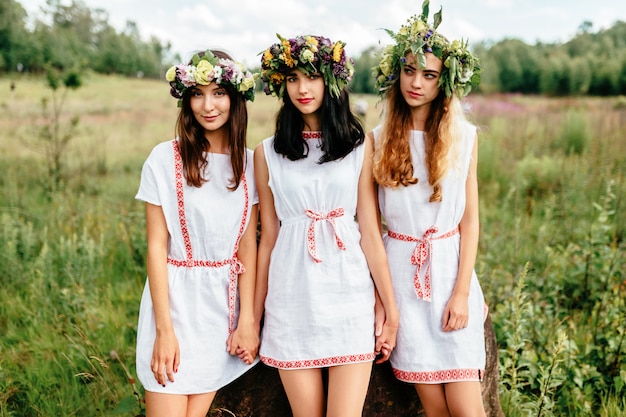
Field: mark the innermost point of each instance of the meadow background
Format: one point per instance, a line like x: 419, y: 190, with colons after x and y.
x: 72, y: 243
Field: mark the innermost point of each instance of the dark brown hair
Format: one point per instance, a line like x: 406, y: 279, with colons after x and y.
x: 193, y: 143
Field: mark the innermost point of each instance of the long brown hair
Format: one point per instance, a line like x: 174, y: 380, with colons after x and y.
x: 392, y: 162
x: 193, y: 143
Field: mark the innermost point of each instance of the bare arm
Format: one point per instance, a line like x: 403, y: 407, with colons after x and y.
x: 269, y: 231
x: 374, y: 250
x: 166, y: 353
x: 456, y: 314
x: 245, y: 338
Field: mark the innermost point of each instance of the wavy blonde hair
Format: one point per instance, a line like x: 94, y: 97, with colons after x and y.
x: 392, y: 160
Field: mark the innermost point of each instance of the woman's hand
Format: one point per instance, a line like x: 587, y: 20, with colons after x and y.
x: 244, y: 342
x: 386, y: 342
x: 165, y: 357
x: 456, y: 313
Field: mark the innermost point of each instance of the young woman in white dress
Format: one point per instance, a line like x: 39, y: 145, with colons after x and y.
x: 314, y: 261
x: 425, y: 165
x: 196, y: 328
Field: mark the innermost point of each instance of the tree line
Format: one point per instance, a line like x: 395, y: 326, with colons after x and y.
x: 75, y: 38
x: 591, y: 63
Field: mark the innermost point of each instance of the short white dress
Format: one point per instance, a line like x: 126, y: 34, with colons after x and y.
x: 319, y: 309
x: 422, y: 246
x: 205, y: 225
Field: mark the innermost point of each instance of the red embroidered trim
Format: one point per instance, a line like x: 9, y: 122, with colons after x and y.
x: 310, y: 237
x: 421, y: 256
x: 433, y: 377
x: 319, y: 363
x: 311, y: 135
x: 236, y: 266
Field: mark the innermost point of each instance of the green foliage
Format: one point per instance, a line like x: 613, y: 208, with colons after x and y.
x: 560, y: 320
x: 589, y: 63
x: 54, y: 135
x: 575, y: 134
x: 77, y: 37
x: 363, y: 81
x: 72, y: 259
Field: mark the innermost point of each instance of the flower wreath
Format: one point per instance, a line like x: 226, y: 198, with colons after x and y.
x: 461, y: 69
x: 309, y: 54
x: 206, y: 68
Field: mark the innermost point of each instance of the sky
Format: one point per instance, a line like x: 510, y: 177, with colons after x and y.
x: 244, y: 28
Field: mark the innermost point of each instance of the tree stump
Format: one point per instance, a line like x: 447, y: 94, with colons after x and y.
x: 259, y: 392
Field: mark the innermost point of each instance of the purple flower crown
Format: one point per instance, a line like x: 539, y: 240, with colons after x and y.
x: 206, y: 68
x: 310, y: 54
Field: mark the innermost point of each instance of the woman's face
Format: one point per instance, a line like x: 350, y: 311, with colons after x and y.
x: 306, y: 92
x: 211, y: 106
x: 420, y: 87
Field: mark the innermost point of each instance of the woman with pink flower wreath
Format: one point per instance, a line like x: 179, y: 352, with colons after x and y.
x: 425, y: 165
x: 196, y: 328
x: 314, y: 260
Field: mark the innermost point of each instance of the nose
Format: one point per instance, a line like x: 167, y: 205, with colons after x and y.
x: 416, y: 82
x: 303, y: 85
x: 208, y: 103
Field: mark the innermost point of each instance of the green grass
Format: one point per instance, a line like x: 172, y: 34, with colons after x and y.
x: 551, y: 258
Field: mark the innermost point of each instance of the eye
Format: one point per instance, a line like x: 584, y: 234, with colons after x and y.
x: 314, y: 76
x: 291, y: 78
x: 196, y: 93
x: 220, y: 92
x: 430, y: 75
x: 408, y: 70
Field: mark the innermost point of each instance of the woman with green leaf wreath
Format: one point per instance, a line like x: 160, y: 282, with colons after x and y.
x: 425, y: 167
x: 196, y: 328
x: 313, y: 273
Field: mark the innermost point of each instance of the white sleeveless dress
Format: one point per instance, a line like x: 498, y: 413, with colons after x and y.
x: 204, y: 225
x: 319, y: 309
x: 422, y: 247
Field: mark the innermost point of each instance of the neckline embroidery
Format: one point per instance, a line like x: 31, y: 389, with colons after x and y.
x: 316, y: 134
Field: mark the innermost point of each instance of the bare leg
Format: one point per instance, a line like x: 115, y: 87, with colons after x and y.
x: 199, y: 404
x: 305, y: 391
x: 464, y: 399
x: 347, y: 388
x: 433, y: 399
x: 173, y: 405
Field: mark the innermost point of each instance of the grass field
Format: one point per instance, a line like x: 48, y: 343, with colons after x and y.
x: 551, y: 258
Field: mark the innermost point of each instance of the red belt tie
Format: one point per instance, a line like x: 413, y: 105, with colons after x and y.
x: 330, y: 217
x: 421, y: 256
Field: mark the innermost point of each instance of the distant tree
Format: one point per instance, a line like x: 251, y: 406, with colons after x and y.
x: 54, y: 134
x: 622, y: 78
x: 12, y: 33
x: 580, y: 75
x: 489, y: 77
x: 585, y: 27
x: 517, y: 66
x: 606, y: 79
x: 363, y: 81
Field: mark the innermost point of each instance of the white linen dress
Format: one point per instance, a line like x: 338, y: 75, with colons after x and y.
x: 204, y: 225
x: 423, y: 238
x: 319, y: 309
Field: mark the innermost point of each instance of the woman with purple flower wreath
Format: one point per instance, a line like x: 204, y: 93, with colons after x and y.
x: 196, y: 328
x: 314, y: 260
x: 425, y: 166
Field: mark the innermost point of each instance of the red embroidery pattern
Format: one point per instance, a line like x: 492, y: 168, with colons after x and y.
x: 310, y: 237
x: 421, y: 256
x: 318, y: 363
x: 452, y: 375
x: 236, y: 266
x: 311, y: 135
